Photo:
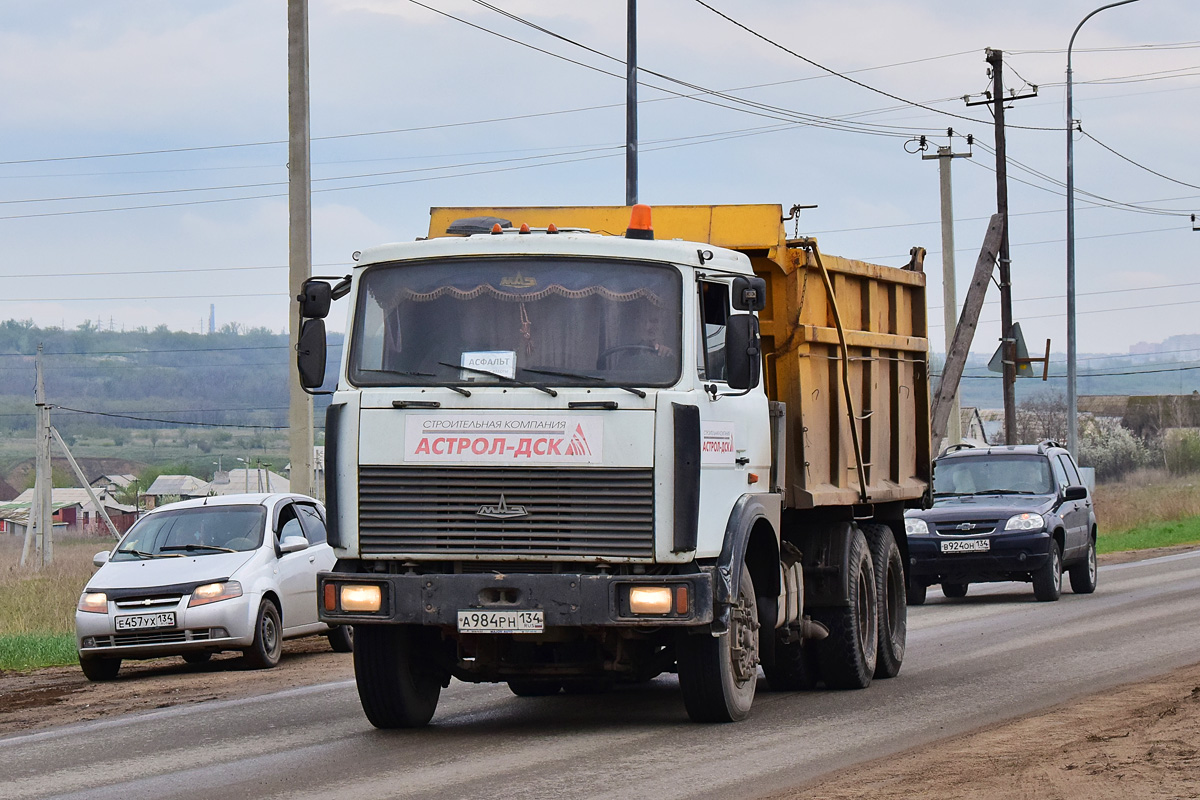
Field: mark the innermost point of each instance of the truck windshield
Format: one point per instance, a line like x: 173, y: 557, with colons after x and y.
x: 545, y: 320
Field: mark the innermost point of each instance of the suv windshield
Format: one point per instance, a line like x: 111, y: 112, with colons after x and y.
x: 201, y: 530
x: 993, y: 474
x: 544, y: 320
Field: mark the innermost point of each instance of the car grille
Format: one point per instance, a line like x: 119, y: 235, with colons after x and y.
x: 153, y: 601
x: 572, y: 514
x: 967, y: 527
x: 156, y: 637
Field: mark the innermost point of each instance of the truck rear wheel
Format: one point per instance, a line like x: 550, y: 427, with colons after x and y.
x: 396, y: 687
x: 848, y: 656
x: 718, y: 674
x: 534, y: 687
x: 893, y: 600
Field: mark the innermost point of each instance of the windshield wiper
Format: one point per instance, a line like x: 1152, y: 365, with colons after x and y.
x: 581, y: 376
x: 948, y: 494
x: 1004, y: 491
x: 408, y: 374
x: 191, y: 547
x: 545, y: 389
x: 143, y: 554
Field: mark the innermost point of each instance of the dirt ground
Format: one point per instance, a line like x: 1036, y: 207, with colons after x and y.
x: 1139, y: 741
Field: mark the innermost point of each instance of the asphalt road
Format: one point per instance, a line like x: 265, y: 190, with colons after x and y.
x: 991, y: 656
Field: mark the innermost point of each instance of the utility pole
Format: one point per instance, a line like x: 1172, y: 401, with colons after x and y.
x: 300, y: 404
x: 40, y: 531
x: 949, y: 289
x: 995, y: 58
x: 631, y: 135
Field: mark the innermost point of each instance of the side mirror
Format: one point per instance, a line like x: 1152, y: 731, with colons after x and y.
x: 1075, y: 493
x: 749, y: 293
x: 293, y: 544
x: 315, y: 297
x: 100, y: 559
x: 743, y: 352
x: 310, y: 353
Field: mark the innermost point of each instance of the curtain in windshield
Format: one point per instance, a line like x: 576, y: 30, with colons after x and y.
x: 599, y: 321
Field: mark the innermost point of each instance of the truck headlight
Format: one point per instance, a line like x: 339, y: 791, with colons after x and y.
x: 651, y: 599
x: 361, y: 597
x: 915, y: 525
x: 1025, y: 522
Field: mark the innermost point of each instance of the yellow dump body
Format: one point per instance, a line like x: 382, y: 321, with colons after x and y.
x: 883, y: 320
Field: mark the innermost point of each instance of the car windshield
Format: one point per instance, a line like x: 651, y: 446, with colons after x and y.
x: 200, y: 530
x: 532, y: 320
x: 1008, y: 474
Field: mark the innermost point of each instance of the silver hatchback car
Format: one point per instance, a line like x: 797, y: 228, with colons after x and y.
x: 194, y: 578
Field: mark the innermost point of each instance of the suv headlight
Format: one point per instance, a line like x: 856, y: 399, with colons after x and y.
x: 1025, y: 522
x: 915, y: 526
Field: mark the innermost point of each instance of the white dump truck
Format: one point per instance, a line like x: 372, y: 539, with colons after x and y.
x: 570, y: 448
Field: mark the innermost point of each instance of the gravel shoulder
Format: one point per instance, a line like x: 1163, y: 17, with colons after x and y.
x: 1141, y: 740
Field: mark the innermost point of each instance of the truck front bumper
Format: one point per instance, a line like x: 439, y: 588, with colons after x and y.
x: 566, y: 600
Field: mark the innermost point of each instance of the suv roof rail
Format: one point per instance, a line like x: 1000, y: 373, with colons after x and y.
x: 956, y: 447
x: 1044, y: 443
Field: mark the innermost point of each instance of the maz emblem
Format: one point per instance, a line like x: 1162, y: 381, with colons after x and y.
x: 502, y: 511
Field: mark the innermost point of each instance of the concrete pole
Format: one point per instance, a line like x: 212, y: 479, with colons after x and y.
x: 44, y: 493
x: 631, y: 134
x: 300, y: 404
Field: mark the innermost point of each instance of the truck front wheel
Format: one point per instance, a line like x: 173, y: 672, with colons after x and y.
x: 397, y: 686
x: 718, y: 674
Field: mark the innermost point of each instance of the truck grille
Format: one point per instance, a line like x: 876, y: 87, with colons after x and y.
x: 573, y: 513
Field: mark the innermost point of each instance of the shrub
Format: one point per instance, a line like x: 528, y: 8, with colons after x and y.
x: 1111, y: 449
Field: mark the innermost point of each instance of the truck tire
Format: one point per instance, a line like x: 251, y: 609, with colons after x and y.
x: 893, y: 599
x: 1047, y: 581
x: 718, y: 674
x: 534, y: 687
x: 99, y: 669
x: 794, y: 667
x: 267, y: 647
x: 1083, y: 574
x: 955, y: 590
x: 394, y: 689
x: 848, y: 656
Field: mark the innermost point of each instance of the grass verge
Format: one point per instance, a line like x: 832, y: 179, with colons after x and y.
x: 1156, y: 534
x: 25, y: 651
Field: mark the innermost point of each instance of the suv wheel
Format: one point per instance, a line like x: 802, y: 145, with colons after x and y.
x: 1083, y: 574
x: 1047, y: 581
x: 955, y: 589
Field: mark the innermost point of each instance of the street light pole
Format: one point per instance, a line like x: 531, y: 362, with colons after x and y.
x: 1072, y: 396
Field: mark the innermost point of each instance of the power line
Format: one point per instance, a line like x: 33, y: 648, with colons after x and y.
x: 1136, y: 164
x: 171, y: 421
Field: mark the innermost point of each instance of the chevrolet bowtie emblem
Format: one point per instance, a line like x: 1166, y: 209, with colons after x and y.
x: 502, y: 511
x: 966, y: 526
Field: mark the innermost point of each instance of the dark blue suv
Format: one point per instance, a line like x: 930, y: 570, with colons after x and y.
x: 1003, y: 513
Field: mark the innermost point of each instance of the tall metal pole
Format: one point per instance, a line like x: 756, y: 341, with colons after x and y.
x: 1072, y: 395
x: 300, y: 406
x: 949, y: 283
x: 631, y: 134
x: 996, y: 59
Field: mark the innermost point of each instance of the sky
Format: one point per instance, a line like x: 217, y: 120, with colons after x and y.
x: 143, y: 156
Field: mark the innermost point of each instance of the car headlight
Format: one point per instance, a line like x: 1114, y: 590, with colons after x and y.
x: 1025, y: 522
x: 95, y: 602
x: 915, y: 525
x: 213, y: 592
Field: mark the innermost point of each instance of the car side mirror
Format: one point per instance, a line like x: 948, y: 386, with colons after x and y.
x: 100, y: 559
x: 1075, y: 493
x: 743, y: 352
x: 293, y: 544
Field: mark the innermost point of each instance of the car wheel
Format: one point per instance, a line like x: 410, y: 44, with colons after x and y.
x: 533, y: 687
x: 197, y: 656
x: 1047, y: 581
x: 268, y: 638
x: 99, y: 669
x: 1083, y: 574
x: 916, y: 593
x: 341, y: 639
x: 955, y: 589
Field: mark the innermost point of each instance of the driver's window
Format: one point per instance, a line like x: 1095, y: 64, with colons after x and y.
x: 714, y: 316
x: 288, y: 524
x: 1060, y: 475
